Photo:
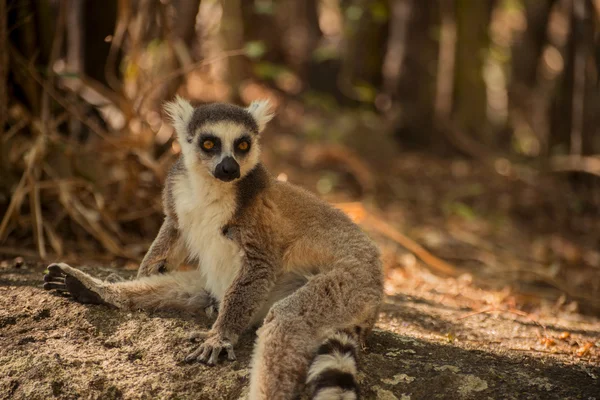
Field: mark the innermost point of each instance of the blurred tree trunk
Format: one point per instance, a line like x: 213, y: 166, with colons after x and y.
x: 561, y: 110
x: 574, y: 113
x: 527, y: 52
x: 470, y: 102
x: 180, y: 38
x: 400, y: 14
x: 99, y: 22
x: 232, y: 33
x: 299, y: 25
x: 260, y: 25
x: 3, y: 71
x: 288, y: 29
x: 528, y: 92
x: 590, y: 141
x: 416, y: 83
x: 3, y: 97
x: 31, y: 36
x: 184, y: 26
x: 365, y: 47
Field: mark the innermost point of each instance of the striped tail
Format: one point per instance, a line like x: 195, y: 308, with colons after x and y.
x: 332, y: 374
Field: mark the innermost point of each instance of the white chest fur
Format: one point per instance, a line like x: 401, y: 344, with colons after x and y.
x: 203, y: 208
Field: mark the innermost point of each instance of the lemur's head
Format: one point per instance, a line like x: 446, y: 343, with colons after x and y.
x: 221, y: 139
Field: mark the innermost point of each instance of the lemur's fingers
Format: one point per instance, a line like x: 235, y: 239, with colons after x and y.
x: 214, y: 357
x: 52, y: 278
x: 209, y: 351
x: 61, y: 287
x: 206, y: 352
x: 55, y: 280
x: 193, y: 356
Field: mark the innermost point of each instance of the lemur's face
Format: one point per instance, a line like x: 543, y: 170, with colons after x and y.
x: 227, y: 149
x: 221, y: 139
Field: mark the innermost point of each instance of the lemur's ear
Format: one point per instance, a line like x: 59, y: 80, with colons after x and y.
x: 180, y: 110
x: 261, y: 112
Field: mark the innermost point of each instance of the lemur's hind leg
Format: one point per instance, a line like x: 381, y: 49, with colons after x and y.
x: 176, y: 291
x: 297, y: 325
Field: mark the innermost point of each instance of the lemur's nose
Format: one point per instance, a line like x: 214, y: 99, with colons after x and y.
x: 227, y: 170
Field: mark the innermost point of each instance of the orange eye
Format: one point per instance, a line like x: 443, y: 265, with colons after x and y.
x: 208, y: 144
x: 243, y: 146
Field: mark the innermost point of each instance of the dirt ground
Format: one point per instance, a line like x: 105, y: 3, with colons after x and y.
x: 428, y: 344
x: 518, y: 320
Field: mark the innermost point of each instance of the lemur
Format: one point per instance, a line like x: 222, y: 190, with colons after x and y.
x: 267, y: 251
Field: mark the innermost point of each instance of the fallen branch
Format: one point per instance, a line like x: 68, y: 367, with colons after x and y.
x: 361, y: 216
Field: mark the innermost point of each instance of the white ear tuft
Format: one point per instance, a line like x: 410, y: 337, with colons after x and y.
x: 180, y: 110
x: 261, y: 112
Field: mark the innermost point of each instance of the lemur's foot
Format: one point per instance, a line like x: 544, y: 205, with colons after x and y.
x: 209, y: 351
x: 81, y: 286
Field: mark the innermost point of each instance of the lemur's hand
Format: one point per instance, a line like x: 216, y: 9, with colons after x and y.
x: 84, y: 288
x: 208, y: 352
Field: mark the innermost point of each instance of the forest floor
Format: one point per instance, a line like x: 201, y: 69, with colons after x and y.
x: 512, y: 314
x: 429, y: 343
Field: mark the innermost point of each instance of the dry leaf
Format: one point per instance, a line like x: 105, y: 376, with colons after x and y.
x: 584, y: 350
x: 548, y: 342
x: 564, y: 335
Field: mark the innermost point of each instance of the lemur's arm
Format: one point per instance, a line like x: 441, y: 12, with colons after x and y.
x: 166, y: 252
x: 243, y: 299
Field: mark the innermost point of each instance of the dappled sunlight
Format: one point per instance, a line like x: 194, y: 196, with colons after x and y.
x: 461, y: 136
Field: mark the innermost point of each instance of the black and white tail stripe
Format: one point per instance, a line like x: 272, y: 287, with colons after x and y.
x: 332, y: 374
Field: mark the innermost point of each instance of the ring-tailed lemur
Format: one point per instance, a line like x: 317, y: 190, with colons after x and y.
x: 267, y: 251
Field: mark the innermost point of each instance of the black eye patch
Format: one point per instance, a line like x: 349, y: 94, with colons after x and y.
x: 242, y: 145
x: 210, y: 144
